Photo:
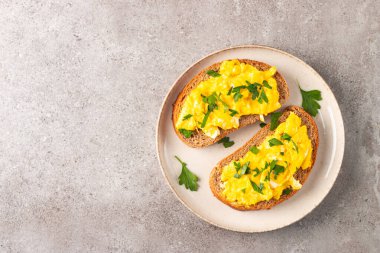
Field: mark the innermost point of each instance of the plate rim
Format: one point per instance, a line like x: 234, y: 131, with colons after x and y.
x: 166, y: 101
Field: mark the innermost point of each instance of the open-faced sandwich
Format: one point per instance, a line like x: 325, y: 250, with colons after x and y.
x: 225, y: 97
x: 270, y: 167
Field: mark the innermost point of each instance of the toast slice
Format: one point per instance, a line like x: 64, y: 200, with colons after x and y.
x: 199, y: 139
x: 301, y: 175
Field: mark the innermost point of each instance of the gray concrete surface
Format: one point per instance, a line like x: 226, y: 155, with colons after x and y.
x: 81, y: 84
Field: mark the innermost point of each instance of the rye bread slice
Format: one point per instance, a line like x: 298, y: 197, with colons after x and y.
x: 199, y: 139
x: 301, y: 175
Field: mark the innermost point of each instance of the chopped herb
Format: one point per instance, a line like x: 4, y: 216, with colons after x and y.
x: 237, y: 168
x: 277, y: 170
x: 256, y: 188
x: 245, y: 169
x: 266, y: 166
x: 282, y: 153
x: 257, y: 172
x: 254, y: 150
x: 286, y: 191
x: 243, y: 190
x: 205, y: 119
x: 187, y: 177
x: 229, y: 91
x: 275, y: 142
x: 212, y: 73
x: 262, y: 97
x: 274, y: 120
x: 266, y: 84
x: 224, y: 103
x: 272, y: 167
x: 262, y: 124
x: 233, y: 112
x: 253, y: 88
x: 237, y: 96
x: 226, y: 142
x: 211, y: 101
x: 286, y: 137
x: 309, y: 101
x: 188, y: 116
x: 272, y: 164
x: 295, y: 146
x: 185, y: 132
x: 238, y: 88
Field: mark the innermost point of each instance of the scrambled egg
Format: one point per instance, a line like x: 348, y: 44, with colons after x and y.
x: 231, y: 103
x: 270, y: 166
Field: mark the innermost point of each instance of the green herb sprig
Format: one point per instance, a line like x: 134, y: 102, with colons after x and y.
x: 185, y: 132
x: 257, y: 188
x: 187, y: 178
x: 226, y: 142
x: 274, y: 120
x: 275, y: 142
x: 212, y: 105
x: 309, y: 101
x: 212, y: 73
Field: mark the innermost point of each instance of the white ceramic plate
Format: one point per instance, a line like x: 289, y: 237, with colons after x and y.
x: 201, y: 161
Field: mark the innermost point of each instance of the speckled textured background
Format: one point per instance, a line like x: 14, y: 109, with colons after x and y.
x: 81, y: 85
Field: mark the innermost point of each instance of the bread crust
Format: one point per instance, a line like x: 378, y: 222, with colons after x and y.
x: 257, y: 139
x: 199, y: 139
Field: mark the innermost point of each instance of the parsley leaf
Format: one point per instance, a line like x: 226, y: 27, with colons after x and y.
x: 229, y: 91
x: 205, y: 119
x: 226, y: 142
x: 262, y: 125
x: 274, y: 142
x: 257, y: 172
x: 295, y: 146
x: 188, y: 116
x: 274, y: 120
x: 286, y: 191
x: 187, y: 178
x: 262, y: 97
x: 245, y: 169
x: 211, y: 101
x: 266, y: 84
x: 286, y: 137
x: 233, y: 112
x: 277, y: 170
x: 272, y: 166
x: 282, y: 153
x: 237, y: 166
x: 254, y: 150
x: 212, y: 73
x: 238, y: 88
x: 219, y: 99
x: 253, y: 88
x: 257, y: 188
x: 309, y: 101
x: 185, y: 132
x: 237, y: 96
